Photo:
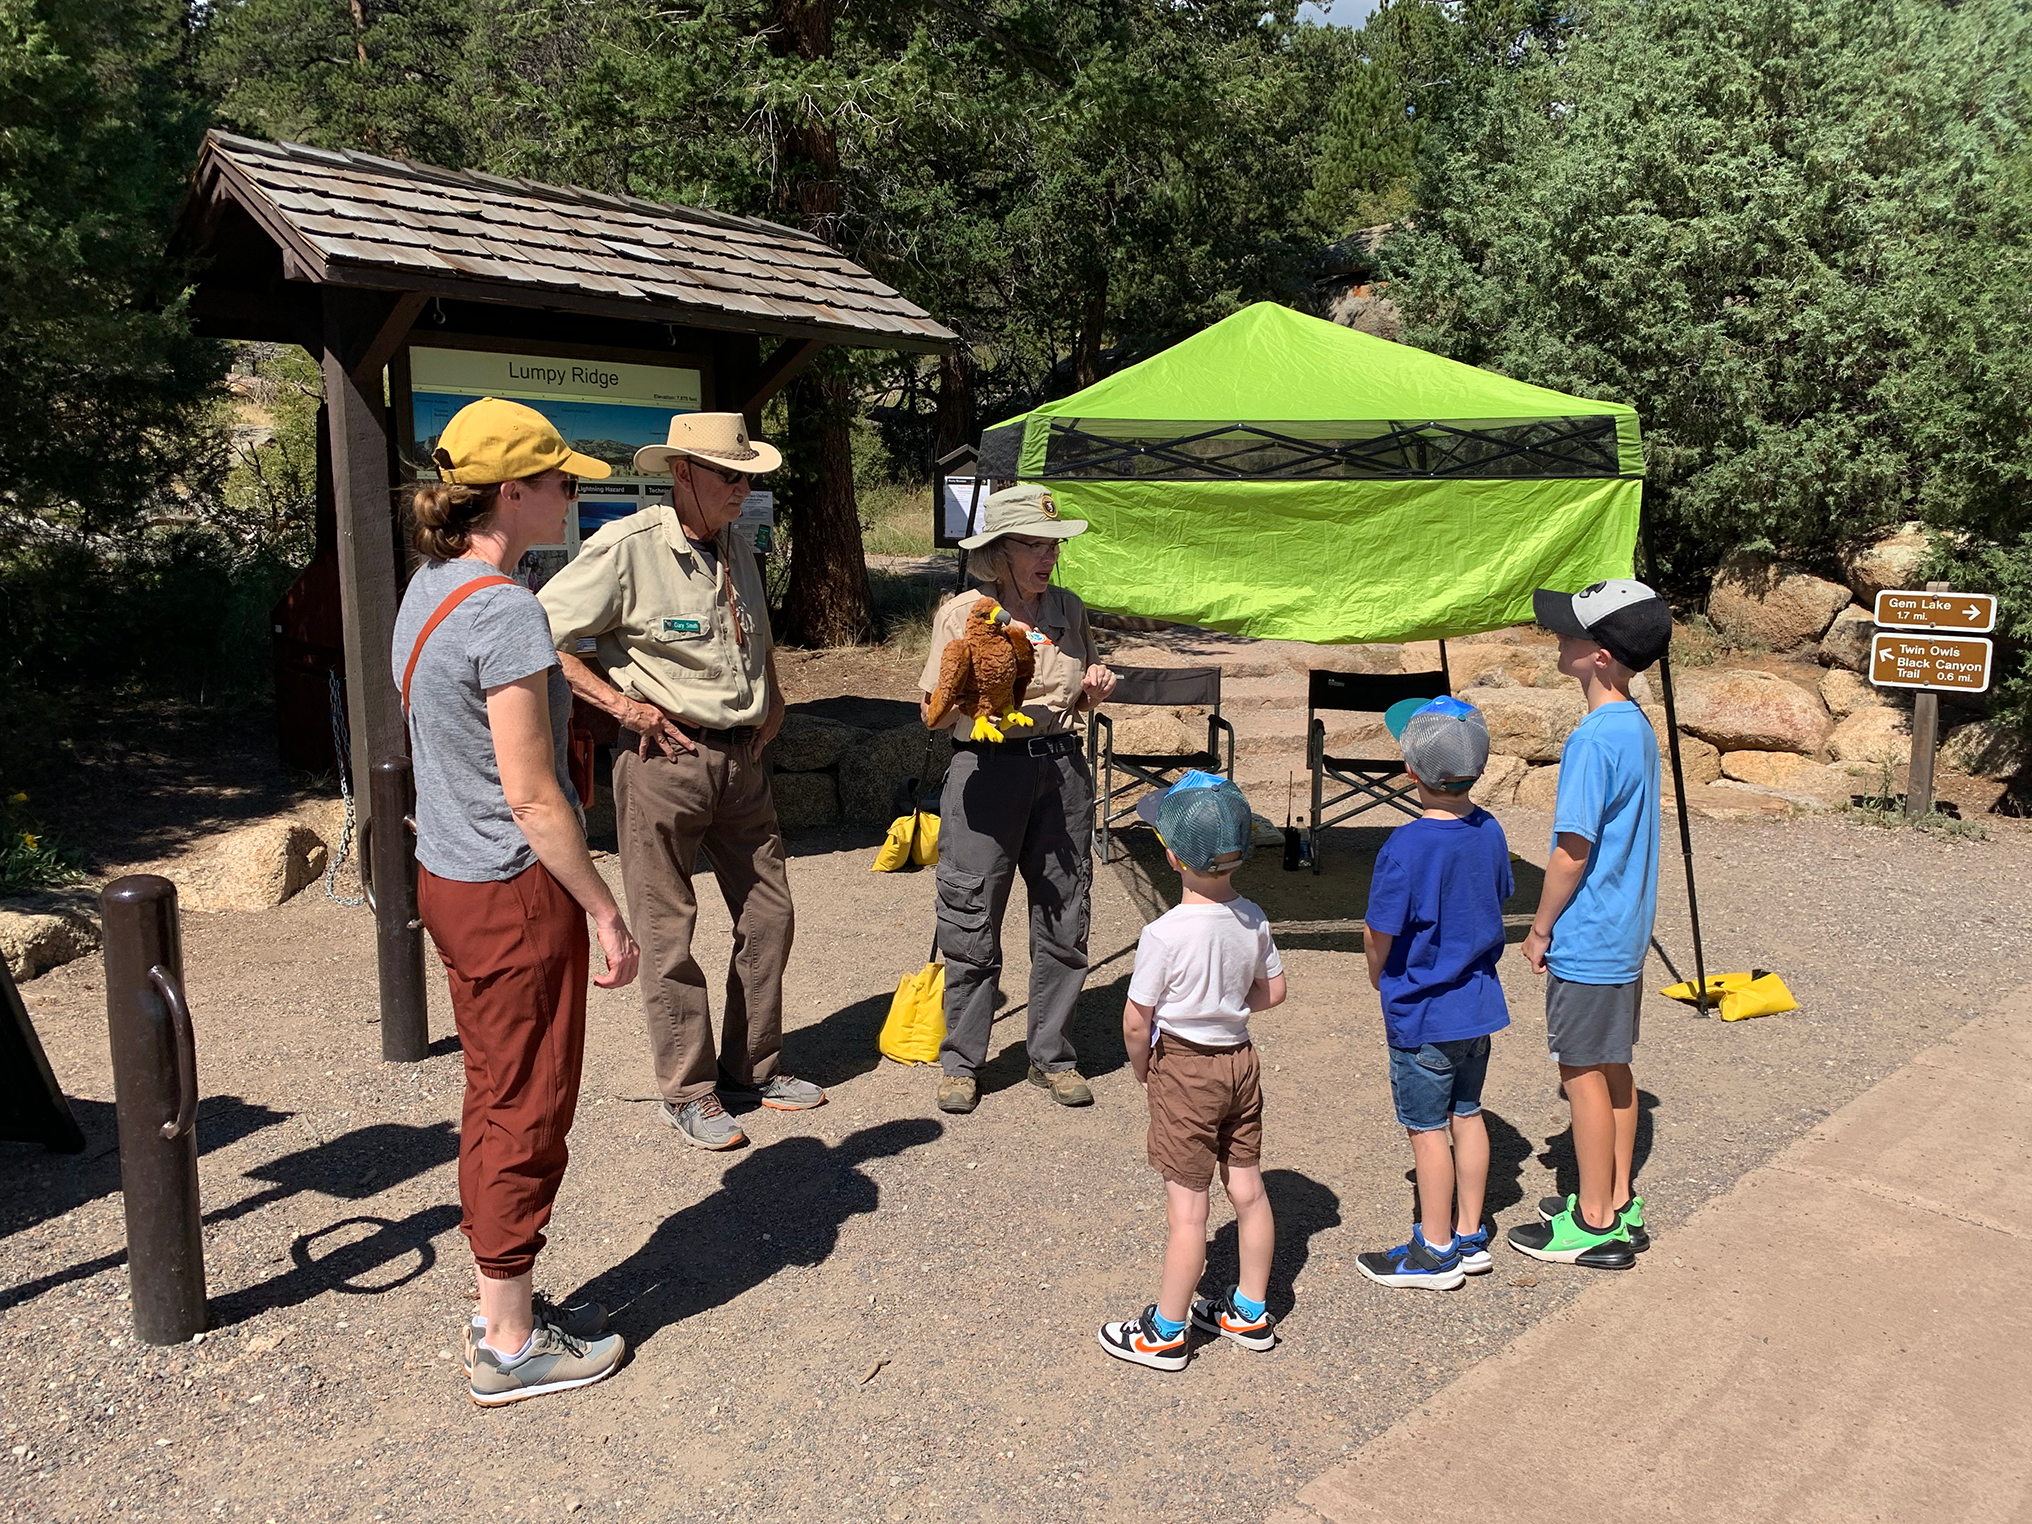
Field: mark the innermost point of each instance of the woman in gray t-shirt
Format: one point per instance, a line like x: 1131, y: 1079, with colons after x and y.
x: 505, y: 882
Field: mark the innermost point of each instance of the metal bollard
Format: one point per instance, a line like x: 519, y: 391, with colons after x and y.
x: 155, y: 1096
x: 388, y: 874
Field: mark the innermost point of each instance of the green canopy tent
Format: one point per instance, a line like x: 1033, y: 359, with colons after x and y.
x: 1283, y: 477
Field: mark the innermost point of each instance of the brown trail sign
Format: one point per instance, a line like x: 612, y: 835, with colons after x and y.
x: 1964, y: 613
x: 1950, y: 663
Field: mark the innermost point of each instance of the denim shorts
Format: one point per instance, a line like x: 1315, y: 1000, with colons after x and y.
x: 1439, y: 1080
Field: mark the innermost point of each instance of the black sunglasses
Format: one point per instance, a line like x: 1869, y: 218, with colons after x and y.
x: 731, y: 478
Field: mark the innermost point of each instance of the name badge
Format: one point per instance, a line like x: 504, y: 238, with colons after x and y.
x: 684, y: 627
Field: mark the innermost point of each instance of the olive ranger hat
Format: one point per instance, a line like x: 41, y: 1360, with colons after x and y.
x: 1628, y: 620
x: 718, y: 439
x: 1204, y: 819
x: 1022, y: 510
x: 1445, y: 741
x: 497, y: 441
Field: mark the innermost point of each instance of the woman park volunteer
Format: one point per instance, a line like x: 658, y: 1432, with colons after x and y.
x: 1021, y: 805
x: 505, y: 883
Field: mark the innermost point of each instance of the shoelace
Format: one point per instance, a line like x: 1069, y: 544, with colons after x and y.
x: 709, y: 1106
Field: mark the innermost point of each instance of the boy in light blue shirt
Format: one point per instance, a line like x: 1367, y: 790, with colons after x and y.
x: 1593, y: 924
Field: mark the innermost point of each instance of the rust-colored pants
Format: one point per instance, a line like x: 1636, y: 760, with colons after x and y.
x: 666, y: 810
x: 517, y: 955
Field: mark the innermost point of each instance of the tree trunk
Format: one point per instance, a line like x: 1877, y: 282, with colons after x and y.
x: 1086, y: 347
x: 827, y: 602
x: 955, y: 401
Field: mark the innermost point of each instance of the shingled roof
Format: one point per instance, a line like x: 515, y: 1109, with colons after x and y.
x: 354, y: 219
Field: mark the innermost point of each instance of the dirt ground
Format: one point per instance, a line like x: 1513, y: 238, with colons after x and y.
x: 972, y: 1256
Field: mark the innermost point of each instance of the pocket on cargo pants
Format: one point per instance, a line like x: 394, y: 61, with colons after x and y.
x: 964, y: 934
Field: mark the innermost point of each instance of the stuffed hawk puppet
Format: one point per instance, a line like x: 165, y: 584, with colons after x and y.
x: 985, y: 673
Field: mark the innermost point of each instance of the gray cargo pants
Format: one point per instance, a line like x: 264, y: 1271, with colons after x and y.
x: 1006, y: 812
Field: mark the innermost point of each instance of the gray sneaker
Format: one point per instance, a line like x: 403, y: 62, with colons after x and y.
x: 781, y: 1092
x: 704, y: 1123
x: 556, y: 1363
x: 582, y: 1320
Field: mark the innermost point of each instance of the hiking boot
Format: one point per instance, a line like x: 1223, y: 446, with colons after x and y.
x: 1566, y: 1240
x: 1414, y: 1263
x: 1221, y: 1316
x: 1065, y: 1085
x: 582, y: 1320
x: 780, y: 1092
x: 1632, y: 1217
x: 556, y: 1362
x: 958, y: 1093
x: 704, y: 1123
x: 1138, y: 1341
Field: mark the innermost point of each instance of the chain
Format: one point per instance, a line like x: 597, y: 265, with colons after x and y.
x: 342, y: 749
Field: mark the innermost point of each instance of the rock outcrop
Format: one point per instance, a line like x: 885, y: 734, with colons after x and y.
x: 1755, y: 600
x: 1744, y: 709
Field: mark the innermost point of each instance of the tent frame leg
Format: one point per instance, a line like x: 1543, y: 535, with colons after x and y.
x: 1679, y: 793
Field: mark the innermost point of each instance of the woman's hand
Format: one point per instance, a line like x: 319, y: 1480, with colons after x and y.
x: 1095, y: 687
x: 617, y: 945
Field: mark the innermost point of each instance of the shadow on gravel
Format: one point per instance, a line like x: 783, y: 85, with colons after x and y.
x: 1558, y: 1154
x: 40, y: 1185
x: 782, y: 1205
x: 359, y: 1256
x: 1302, y: 1207
x: 841, y: 1046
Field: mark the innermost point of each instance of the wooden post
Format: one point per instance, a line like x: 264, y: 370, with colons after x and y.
x: 370, y: 580
x: 1925, y: 742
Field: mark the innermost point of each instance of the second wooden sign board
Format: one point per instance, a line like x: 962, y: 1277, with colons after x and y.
x: 1922, y: 659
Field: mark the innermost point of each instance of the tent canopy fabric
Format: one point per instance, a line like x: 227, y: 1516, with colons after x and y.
x: 1283, y: 477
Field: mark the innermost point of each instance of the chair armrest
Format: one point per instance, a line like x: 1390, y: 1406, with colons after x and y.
x: 1095, y: 739
x: 1315, y: 743
x: 1214, y: 725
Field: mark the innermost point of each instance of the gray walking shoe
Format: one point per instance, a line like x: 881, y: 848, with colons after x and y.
x: 1065, y: 1085
x: 704, y: 1123
x: 957, y: 1093
x: 582, y: 1320
x: 556, y: 1363
x: 781, y: 1092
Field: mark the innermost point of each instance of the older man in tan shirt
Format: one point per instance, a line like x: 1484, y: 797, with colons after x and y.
x: 677, y: 608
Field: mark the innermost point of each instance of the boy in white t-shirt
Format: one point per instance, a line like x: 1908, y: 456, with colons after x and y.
x: 1201, y: 969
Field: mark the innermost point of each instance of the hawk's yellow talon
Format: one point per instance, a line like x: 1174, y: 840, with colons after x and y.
x: 984, y: 730
x: 1017, y: 717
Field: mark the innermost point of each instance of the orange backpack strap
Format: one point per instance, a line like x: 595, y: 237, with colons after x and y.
x: 443, y: 613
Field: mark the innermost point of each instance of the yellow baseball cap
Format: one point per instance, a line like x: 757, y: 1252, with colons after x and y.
x: 498, y: 441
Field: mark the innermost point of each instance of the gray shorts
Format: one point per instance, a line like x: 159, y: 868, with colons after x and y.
x: 1591, y: 1023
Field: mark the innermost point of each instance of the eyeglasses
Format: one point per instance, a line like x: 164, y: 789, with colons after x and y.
x: 731, y: 478
x: 1037, y: 547
x: 568, y: 485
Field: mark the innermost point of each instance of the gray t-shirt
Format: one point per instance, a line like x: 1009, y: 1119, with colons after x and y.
x: 464, y: 828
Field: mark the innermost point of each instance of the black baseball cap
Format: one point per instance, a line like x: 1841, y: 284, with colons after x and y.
x: 1627, y: 619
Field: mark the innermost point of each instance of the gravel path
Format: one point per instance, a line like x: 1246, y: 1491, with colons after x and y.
x: 974, y: 1255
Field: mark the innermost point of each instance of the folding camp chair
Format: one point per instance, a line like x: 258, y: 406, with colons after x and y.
x: 1376, y: 777
x: 1167, y: 686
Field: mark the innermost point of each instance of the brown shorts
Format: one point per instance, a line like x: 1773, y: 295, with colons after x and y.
x: 1206, y: 1108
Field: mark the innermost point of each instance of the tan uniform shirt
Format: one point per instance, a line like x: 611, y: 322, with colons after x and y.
x: 664, y: 621
x: 1054, y: 688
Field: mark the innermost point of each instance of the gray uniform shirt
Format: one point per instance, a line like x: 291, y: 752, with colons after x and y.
x: 464, y: 828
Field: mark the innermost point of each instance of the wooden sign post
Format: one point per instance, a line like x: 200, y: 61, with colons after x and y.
x: 1924, y: 646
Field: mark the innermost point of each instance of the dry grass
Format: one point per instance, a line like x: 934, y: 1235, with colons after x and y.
x: 895, y: 518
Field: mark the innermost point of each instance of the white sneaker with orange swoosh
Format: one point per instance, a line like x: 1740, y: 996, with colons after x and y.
x: 1138, y: 1341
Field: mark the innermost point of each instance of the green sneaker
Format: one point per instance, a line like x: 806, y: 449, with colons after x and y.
x: 1632, y: 1217
x: 582, y: 1320
x: 1566, y: 1240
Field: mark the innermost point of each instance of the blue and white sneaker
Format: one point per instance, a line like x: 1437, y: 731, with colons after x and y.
x: 1474, y: 1251
x: 1415, y: 1264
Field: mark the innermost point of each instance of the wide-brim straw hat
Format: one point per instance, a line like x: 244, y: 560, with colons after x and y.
x: 1022, y: 510
x: 718, y: 439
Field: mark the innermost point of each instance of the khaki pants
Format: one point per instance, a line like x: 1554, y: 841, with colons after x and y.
x: 666, y: 809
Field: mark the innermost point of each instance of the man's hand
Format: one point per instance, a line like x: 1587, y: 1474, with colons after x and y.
x: 623, y: 957
x: 657, y: 731
x: 1095, y: 687
x: 1536, y: 944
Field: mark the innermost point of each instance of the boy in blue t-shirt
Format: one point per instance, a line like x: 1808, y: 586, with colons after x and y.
x: 1594, y: 917
x: 1433, y: 931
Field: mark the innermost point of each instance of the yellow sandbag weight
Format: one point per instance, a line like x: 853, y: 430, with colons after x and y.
x: 1737, y: 997
x: 916, y: 1025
